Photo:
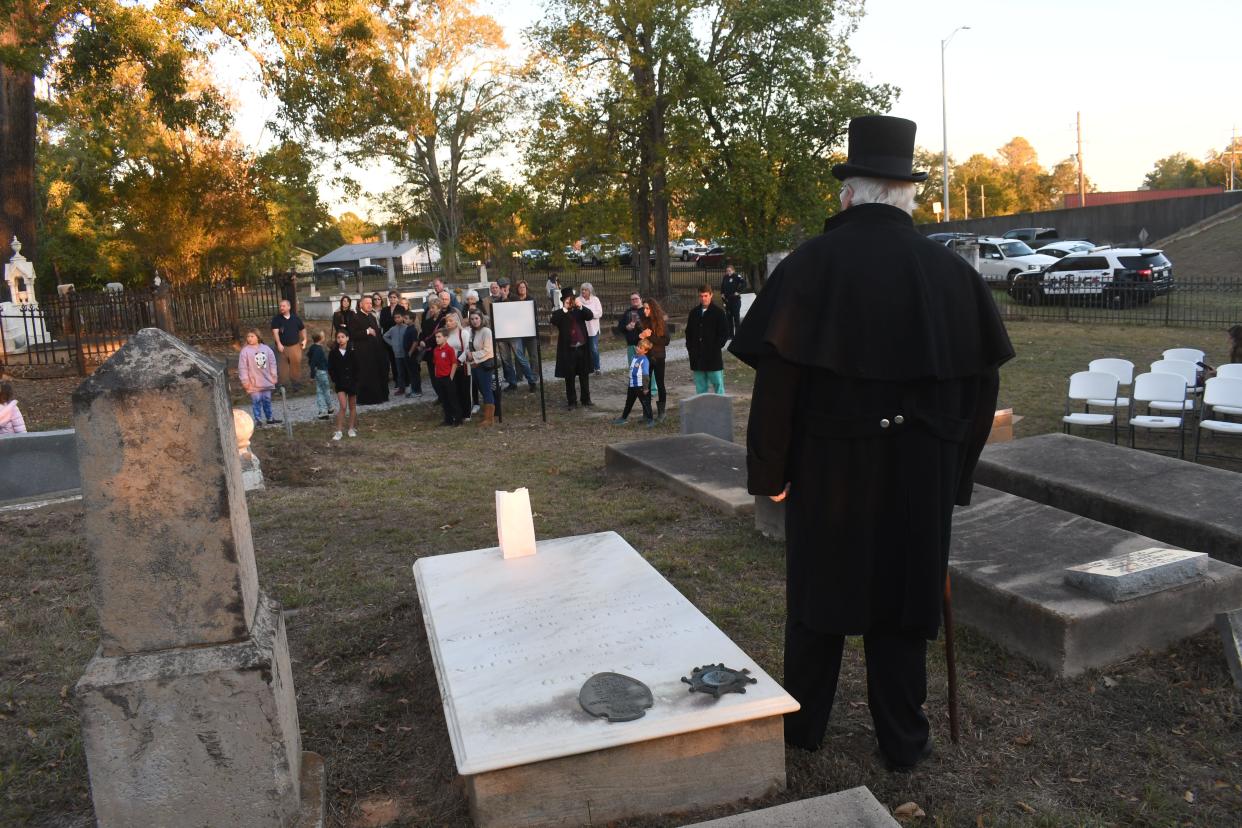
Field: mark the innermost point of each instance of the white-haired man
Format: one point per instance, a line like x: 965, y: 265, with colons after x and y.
x: 867, y: 417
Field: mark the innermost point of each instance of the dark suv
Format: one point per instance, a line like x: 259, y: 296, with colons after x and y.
x: 1120, y: 277
x: 1035, y: 237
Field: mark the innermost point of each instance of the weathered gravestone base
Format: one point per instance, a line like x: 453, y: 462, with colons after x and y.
x: 708, y: 414
x: 770, y: 517
x: 513, y: 640
x: 698, y: 466
x: 1008, y: 564
x: 188, y: 709
x: 853, y: 808
x: 1179, y: 503
x: 1229, y: 624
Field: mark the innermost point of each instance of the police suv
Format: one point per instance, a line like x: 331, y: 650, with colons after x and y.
x: 1118, y: 277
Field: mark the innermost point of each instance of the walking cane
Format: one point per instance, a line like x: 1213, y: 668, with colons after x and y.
x: 950, y: 658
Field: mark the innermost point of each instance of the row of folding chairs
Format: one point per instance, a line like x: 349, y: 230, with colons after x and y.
x: 1169, y: 387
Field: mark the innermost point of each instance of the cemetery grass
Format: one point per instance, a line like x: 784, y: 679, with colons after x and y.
x: 1154, y: 741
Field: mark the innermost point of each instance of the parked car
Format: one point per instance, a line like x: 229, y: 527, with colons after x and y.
x: 714, y: 257
x: 625, y: 255
x: 946, y: 238
x: 535, y: 257
x: 1061, y: 249
x: 571, y: 254
x: 1036, y: 237
x: 1119, y: 277
x: 686, y: 249
x: 600, y: 250
x: 372, y: 270
x: 1003, y: 260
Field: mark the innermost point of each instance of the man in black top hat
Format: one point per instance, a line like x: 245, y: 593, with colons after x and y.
x: 867, y: 418
x: 573, y: 357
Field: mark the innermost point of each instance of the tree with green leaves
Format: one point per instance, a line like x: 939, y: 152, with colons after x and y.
x: 423, y: 86
x: 773, y: 88
x: 1177, y: 171
x: 634, y: 49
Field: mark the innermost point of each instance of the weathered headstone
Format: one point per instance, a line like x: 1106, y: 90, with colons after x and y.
x: 1135, y: 574
x: 1229, y: 624
x: 188, y: 711
x: 708, y: 414
x: 513, y: 642
x: 39, y: 464
x: 252, y: 472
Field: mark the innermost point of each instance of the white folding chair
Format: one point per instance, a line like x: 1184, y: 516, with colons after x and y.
x: 1153, y: 388
x: 1123, y: 370
x: 1230, y: 370
x: 1220, y: 392
x: 1191, y: 355
x: 1086, y: 386
x: 1189, y: 373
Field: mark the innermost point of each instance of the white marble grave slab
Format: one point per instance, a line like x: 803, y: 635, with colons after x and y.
x: 1135, y: 574
x: 513, y: 641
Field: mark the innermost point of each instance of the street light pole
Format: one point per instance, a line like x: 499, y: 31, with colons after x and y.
x: 944, y: 124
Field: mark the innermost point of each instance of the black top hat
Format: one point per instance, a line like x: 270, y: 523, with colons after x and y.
x: 567, y: 293
x: 880, y: 146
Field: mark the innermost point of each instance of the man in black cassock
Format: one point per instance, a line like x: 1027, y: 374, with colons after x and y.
x: 876, y: 353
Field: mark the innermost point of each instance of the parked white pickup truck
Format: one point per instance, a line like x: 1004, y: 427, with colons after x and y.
x: 1002, y: 260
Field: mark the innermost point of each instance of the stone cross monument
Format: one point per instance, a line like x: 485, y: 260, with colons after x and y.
x: 188, y: 711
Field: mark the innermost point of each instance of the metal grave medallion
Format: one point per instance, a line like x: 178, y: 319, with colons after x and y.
x: 615, y: 697
x: 716, y: 679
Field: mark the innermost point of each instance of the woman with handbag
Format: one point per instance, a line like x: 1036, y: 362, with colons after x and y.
x: 481, y: 358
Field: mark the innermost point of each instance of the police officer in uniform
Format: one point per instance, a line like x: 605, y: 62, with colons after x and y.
x: 876, y: 353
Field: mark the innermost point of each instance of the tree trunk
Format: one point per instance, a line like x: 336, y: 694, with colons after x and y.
x: 659, y: 199
x: 17, y: 160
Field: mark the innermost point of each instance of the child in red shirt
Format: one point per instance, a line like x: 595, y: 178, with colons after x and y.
x: 445, y: 367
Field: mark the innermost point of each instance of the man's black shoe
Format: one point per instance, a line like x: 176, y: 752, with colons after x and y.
x: 901, y: 767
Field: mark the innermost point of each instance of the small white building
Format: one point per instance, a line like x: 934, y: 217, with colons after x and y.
x: 406, y: 256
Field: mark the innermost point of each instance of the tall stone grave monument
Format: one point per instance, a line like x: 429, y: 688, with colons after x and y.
x: 188, y: 711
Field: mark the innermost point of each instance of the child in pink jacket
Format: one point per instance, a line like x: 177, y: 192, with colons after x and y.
x: 11, y: 421
x: 256, y: 368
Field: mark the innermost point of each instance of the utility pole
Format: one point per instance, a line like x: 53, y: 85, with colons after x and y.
x: 944, y: 125
x: 1082, y: 178
x: 983, y: 203
x: 965, y: 203
x: 1233, y: 154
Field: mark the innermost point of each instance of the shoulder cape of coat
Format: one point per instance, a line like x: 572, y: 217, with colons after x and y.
x: 872, y: 298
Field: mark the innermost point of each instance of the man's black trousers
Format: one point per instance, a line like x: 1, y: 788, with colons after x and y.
x: 896, y: 688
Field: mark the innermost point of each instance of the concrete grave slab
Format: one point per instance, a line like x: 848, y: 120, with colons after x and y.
x: 853, y: 808
x: 39, y: 464
x: 698, y: 466
x: 1229, y: 624
x: 514, y: 640
x: 708, y: 414
x: 1179, y: 503
x: 1008, y: 563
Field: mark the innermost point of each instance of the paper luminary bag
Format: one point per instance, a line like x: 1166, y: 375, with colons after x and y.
x: 515, y: 525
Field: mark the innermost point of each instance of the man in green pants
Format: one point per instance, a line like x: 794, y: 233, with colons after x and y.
x: 707, y: 330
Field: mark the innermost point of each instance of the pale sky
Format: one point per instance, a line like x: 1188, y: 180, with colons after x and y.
x: 1150, y: 77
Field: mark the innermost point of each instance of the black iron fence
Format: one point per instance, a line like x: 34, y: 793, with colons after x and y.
x: 1187, y: 303
x: 75, y: 332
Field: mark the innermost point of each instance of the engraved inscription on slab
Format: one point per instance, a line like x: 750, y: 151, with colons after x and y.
x: 615, y: 697
x: 1138, y: 573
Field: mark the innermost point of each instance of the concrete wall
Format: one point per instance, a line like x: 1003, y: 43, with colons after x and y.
x: 38, y: 463
x: 1104, y: 224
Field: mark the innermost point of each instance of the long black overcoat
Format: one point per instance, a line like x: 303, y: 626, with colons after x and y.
x: 563, y: 320
x: 372, y: 359
x: 876, y: 355
x: 707, y: 331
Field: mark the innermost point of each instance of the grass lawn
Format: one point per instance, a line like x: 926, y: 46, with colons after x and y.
x: 1154, y: 741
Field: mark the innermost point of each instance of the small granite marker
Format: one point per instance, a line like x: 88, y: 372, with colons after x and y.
x: 1138, y: 573
x: 708, y: 414
x: 1230, y: 626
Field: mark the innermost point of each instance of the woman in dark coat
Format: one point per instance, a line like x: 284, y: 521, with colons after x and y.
x: 368, y: 342
x: 340, y: 318
x: 654, y: 327
x: 573, y: 355
x: 343, y: 371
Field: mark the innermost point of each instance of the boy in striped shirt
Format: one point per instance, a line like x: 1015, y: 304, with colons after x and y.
x: 639, y: 385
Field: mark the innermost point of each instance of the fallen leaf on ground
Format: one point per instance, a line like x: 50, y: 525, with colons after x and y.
x: 1109, y: 682
x: 1077, y: 779
x: 1188, y: 796
x: 909, y: 810
x: 1025, y: 807
x: 1024, y: 739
